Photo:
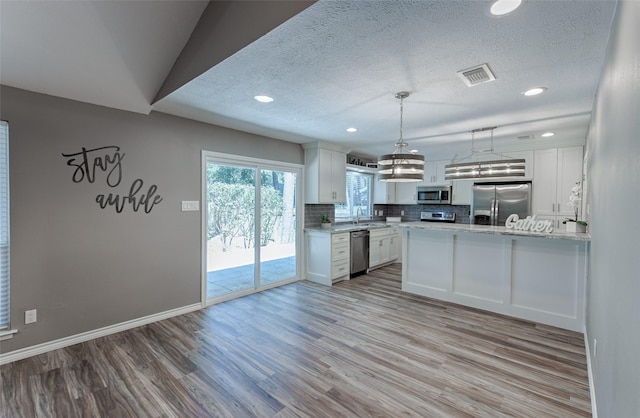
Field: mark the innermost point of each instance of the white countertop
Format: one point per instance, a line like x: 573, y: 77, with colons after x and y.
x: 495, y: 230
x: 336, y: 229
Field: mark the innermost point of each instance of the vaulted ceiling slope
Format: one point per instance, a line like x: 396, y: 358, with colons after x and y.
x: 329, y: 65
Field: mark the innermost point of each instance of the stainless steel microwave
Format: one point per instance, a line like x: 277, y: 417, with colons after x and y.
x: 436, y: 195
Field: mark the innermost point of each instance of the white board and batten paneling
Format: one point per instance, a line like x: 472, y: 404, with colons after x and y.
x: 533, y: 278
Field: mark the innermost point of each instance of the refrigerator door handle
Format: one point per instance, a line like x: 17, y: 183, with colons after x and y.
x: 492, y: 213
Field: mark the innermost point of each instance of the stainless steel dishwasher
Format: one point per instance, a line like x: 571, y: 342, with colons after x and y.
x: 359, y: 252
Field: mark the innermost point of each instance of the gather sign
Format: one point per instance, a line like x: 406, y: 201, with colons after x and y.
x: 530, y: 223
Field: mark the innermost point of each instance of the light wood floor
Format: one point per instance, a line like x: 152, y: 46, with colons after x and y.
x: 359, y: 349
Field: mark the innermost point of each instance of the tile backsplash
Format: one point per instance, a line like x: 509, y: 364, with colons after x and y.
x: 412, y: 212
x: 313, y: 213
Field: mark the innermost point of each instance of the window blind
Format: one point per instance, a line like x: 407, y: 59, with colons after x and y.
x: 359, y: 197
x: 4, y: 224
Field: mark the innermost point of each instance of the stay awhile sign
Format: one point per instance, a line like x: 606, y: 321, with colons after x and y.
x: 528, y: 224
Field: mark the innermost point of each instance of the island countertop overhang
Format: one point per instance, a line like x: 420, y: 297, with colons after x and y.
x: 495, y: 230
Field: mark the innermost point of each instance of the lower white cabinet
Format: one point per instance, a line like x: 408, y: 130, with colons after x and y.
x: 384, y: 246
x: 327, y: 256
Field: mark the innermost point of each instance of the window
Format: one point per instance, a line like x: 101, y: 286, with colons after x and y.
x: 359, y: 197
x: 4, y: 225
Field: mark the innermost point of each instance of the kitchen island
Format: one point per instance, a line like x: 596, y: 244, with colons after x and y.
x: 530, y: 275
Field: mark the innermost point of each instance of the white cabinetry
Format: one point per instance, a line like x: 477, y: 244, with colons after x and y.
x: 328, y: 256
x: 462, y: 191
x: 556, y: 171
x: 384, y: 246
x: 383, y: 192
x: 394, y: 193
x: 406, y: 193
x: 325, y: 174
x: 395, y: 243
x: 434, y: 174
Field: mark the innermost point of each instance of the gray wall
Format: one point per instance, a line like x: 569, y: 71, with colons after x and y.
x: 613, y: 158
x: 83, y: 267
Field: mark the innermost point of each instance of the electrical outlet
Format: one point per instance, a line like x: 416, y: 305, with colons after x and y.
x: 30, y: 316
x: 401, y: 213
x: 381, y: 213
x: 595, y: 348
x: 190, y: 205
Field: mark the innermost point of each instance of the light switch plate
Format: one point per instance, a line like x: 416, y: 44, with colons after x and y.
x: 190, y: 205
x: 30, y: 316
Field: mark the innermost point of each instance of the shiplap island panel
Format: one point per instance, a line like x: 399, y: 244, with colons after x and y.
x: 535, y: 276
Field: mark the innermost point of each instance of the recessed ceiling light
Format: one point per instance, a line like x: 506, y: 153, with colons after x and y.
x: 352, y: 129
x: 547, y: 134
x: 504, y: 7
x: 534, y: 91
x: 263, y: 99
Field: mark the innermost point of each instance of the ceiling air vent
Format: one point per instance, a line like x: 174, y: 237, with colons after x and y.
x: 523, y: 137
x: 476, y: 75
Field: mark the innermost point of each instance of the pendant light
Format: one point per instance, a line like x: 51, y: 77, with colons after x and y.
x: 505, y: 167
x: 401, y: 166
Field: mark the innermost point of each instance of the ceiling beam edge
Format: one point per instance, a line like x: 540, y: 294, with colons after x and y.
x: 224, y: 28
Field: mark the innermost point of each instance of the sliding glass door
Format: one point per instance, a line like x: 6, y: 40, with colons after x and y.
x: 278, y: 226
x: 251, y: 217
x: 230, y: 228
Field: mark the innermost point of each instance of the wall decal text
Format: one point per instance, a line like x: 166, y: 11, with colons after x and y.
x: 530, y: 223
x: 146, y: 201
x: 104, y: 158
x: 89, y: 163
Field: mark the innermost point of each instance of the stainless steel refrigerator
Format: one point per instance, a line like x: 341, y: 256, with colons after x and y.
x: 494, y: 202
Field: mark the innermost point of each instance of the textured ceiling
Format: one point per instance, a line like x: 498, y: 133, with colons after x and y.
x: 339, y: 64
x: 334, y: 65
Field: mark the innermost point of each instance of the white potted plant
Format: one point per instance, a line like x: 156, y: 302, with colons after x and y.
x: 574, y: 225
x: 325, y: 222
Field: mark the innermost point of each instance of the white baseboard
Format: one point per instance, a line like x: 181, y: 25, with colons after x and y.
x: 592, y: 388
x: 34, y: 350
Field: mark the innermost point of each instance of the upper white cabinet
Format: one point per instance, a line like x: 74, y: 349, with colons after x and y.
x: 556, y: 171
x: 406, y: 193
x: 462, y: 192
x: 383, y: 192
x: 434, y: 174
x: 388, y: 193
x: 325, y: 173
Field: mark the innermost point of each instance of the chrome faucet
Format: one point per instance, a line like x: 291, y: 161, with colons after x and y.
x: 358, y: 214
